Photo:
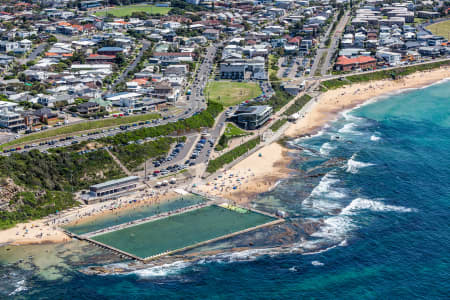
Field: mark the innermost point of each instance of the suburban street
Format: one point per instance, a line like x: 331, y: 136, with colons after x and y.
x: 123, y: 76
x: 327, y: 63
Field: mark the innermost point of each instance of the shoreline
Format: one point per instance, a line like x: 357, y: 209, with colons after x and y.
x: 256, y: 174
x: 264, y: 173
x: 48, y: 230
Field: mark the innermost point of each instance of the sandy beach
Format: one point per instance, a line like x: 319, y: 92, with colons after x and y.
x: 250, y: 176
x: 47, y: 230
x: 329, y: 104
x: 259, y: 174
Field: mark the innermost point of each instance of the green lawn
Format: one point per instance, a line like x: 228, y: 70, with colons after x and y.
x: 278, y: 124
x: 441, y: 28
x: 233, y: 131
x: 127, y: 10
x: 89, y: 125
x: 230, y: 93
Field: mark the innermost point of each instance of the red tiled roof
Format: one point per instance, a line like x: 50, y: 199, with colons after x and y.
x: 140, y: 81
x: 296, y: 39
x: 343, y: 60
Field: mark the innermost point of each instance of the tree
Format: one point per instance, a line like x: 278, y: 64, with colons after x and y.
x: 52, y: 39
x: 120, y: 59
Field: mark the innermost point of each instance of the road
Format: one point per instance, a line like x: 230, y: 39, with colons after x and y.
x: 123, y: 76
x: 327, y: 64
x: 322, y: 49
x: 36, y: 52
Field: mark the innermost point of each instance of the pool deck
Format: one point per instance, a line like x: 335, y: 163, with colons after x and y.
x: 216, y: 201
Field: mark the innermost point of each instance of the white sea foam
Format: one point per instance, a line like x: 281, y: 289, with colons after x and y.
x: 245, y: 255
x: 317, y: 263
x: 20, y: 286
x: 163, y: 270
x: 326, y: 148
x: 374, y: 138
x: 353, y: 165
x: 325, y: 188
x: 367, y: 204
x: 349, y: 128
x: 335, y: 228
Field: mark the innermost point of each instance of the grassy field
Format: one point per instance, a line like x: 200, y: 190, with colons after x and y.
x: 442, y: 28
x: 231, y: 132
x: 90, y: 125
x: 297, y: 105
x: 219, y: 162
x: 230, y: 93
x: 273, y: 64
x: 127, y: 10
x: 278, y: 124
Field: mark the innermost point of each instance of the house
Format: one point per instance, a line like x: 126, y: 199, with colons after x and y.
x: 173, y: 56
x: 117, y: 98
x: 344, y: 63
x: 110, y: 50
x: 392, y: 58
x: 211, y: 34
x: 55, y: 100
x: 6, y: 60
x: 100, y: 59
x: 429, y: 51
x: 46, y: 116
x: 88, y: 108
x: 427, y: 14
x: 6, y: 46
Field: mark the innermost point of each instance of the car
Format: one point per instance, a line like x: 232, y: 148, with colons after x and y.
x: 192, y: 163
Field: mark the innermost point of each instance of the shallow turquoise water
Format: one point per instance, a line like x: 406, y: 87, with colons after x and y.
x: 382, y: 195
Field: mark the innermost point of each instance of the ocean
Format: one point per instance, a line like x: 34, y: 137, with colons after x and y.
x: 368, y: 218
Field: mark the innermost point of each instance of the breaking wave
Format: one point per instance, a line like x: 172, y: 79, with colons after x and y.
x: 367, y: 204
x: 353, y: 165
x: 161, y: 271
x: 326, y: 148
x: 374, y: 138
x: 349, y: 128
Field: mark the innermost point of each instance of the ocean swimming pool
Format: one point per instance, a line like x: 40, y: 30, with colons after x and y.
x: 132, y: 214
x: 182, y: 230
